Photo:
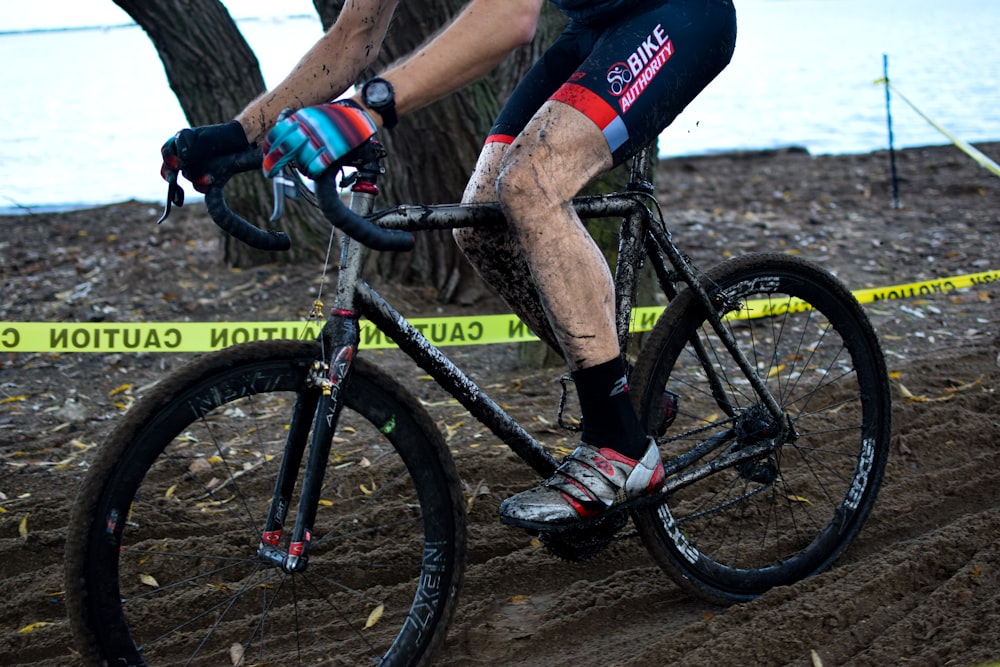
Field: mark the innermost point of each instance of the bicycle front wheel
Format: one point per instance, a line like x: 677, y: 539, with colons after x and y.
x: 161, y: 558
x: 732, y: 532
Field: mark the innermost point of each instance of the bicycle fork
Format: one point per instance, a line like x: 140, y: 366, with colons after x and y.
x: 319, y: 406
x: 319, y: 409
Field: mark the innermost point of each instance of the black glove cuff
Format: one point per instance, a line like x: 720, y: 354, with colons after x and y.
x: 195, y: 146
x: 224, y: 138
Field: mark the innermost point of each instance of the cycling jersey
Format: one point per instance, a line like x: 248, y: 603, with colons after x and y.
x: 631, y: 76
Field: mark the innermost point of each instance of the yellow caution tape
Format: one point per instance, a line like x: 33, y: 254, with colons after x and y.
x: 963, y: 146
x: 442, y: 331
x: 206, y: 336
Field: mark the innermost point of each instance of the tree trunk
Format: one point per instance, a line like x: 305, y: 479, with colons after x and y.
x: 214, y: 74
x: 432, y: 153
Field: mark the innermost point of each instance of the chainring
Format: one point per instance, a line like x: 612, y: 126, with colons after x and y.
x: 585, y: 542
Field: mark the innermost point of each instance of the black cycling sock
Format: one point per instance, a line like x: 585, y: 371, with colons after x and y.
x: 609, y: 420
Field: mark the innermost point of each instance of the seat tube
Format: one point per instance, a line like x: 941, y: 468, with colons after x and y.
x: 631, y: 251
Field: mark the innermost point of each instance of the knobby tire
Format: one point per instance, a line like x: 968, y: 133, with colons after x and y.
x: 775, y: 519
x: 161, y: 562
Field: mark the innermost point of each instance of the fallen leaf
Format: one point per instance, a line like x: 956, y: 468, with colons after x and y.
x: 374, y: 617
x: 236, y: 652
x: 31, y: 627
x: 479, y: 490
x: 199, y: 465
x: 948, y: 394
x: 149, y: 580
x: 450, y: 429
x: 22, y: 528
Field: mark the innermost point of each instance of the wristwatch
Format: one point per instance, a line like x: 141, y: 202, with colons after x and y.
x: 378, y: 95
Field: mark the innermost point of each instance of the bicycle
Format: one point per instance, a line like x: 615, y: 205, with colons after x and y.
x: 763, y: 382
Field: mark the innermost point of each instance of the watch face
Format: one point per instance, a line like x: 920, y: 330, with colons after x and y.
x: 377, y: 93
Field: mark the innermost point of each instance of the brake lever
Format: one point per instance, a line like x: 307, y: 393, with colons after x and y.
x: 175, y: 193
x: 285, y: 184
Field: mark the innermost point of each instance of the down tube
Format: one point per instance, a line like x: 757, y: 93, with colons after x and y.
x: 454, y: 381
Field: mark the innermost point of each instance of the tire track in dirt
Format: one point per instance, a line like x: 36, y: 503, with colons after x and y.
x: 919, y: 585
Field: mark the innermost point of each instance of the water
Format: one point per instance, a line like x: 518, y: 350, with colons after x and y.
x: 803, y: 74
x: 85, y: 113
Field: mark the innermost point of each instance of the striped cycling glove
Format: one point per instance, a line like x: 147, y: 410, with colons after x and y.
x: 315, y: 138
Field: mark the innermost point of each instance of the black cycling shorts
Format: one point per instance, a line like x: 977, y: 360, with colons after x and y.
x: 633, y: 76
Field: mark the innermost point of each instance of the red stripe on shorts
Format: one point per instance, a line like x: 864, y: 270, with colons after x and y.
x: 499, y: 139
x: 587, y: 102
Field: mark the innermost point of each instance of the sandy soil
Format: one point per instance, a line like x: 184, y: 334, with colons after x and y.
x: 921, y: 585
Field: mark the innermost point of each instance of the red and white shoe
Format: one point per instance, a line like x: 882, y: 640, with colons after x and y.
x: 590, y: 482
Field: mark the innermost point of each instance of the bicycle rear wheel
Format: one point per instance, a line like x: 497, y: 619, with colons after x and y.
x: 161, y: 556
x: 785, y: 515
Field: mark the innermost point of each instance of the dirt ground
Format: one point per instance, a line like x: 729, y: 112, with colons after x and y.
x: 921, y: 586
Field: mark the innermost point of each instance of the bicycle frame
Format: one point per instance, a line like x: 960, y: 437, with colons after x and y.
x: 640, y: 237
x: 194, y: 487
x: 356, y: 296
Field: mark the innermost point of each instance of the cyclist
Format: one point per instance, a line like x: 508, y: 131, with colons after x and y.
x: 618, y: 74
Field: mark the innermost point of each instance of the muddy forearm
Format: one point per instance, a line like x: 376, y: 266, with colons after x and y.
x: 327, y: 69
x: 481, y: 36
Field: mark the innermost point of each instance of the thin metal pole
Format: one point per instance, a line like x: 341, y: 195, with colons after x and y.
x: 892, y: 149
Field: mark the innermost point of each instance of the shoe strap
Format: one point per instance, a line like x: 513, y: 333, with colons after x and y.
x: 590, y: 478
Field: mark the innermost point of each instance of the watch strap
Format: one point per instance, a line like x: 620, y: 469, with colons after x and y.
x: 386, y: 110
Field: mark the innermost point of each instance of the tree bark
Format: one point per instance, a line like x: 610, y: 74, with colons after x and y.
x: 432, y: 153
x: 214, y: 74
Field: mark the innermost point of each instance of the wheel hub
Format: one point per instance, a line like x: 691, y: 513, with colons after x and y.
x: 753, y: 427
